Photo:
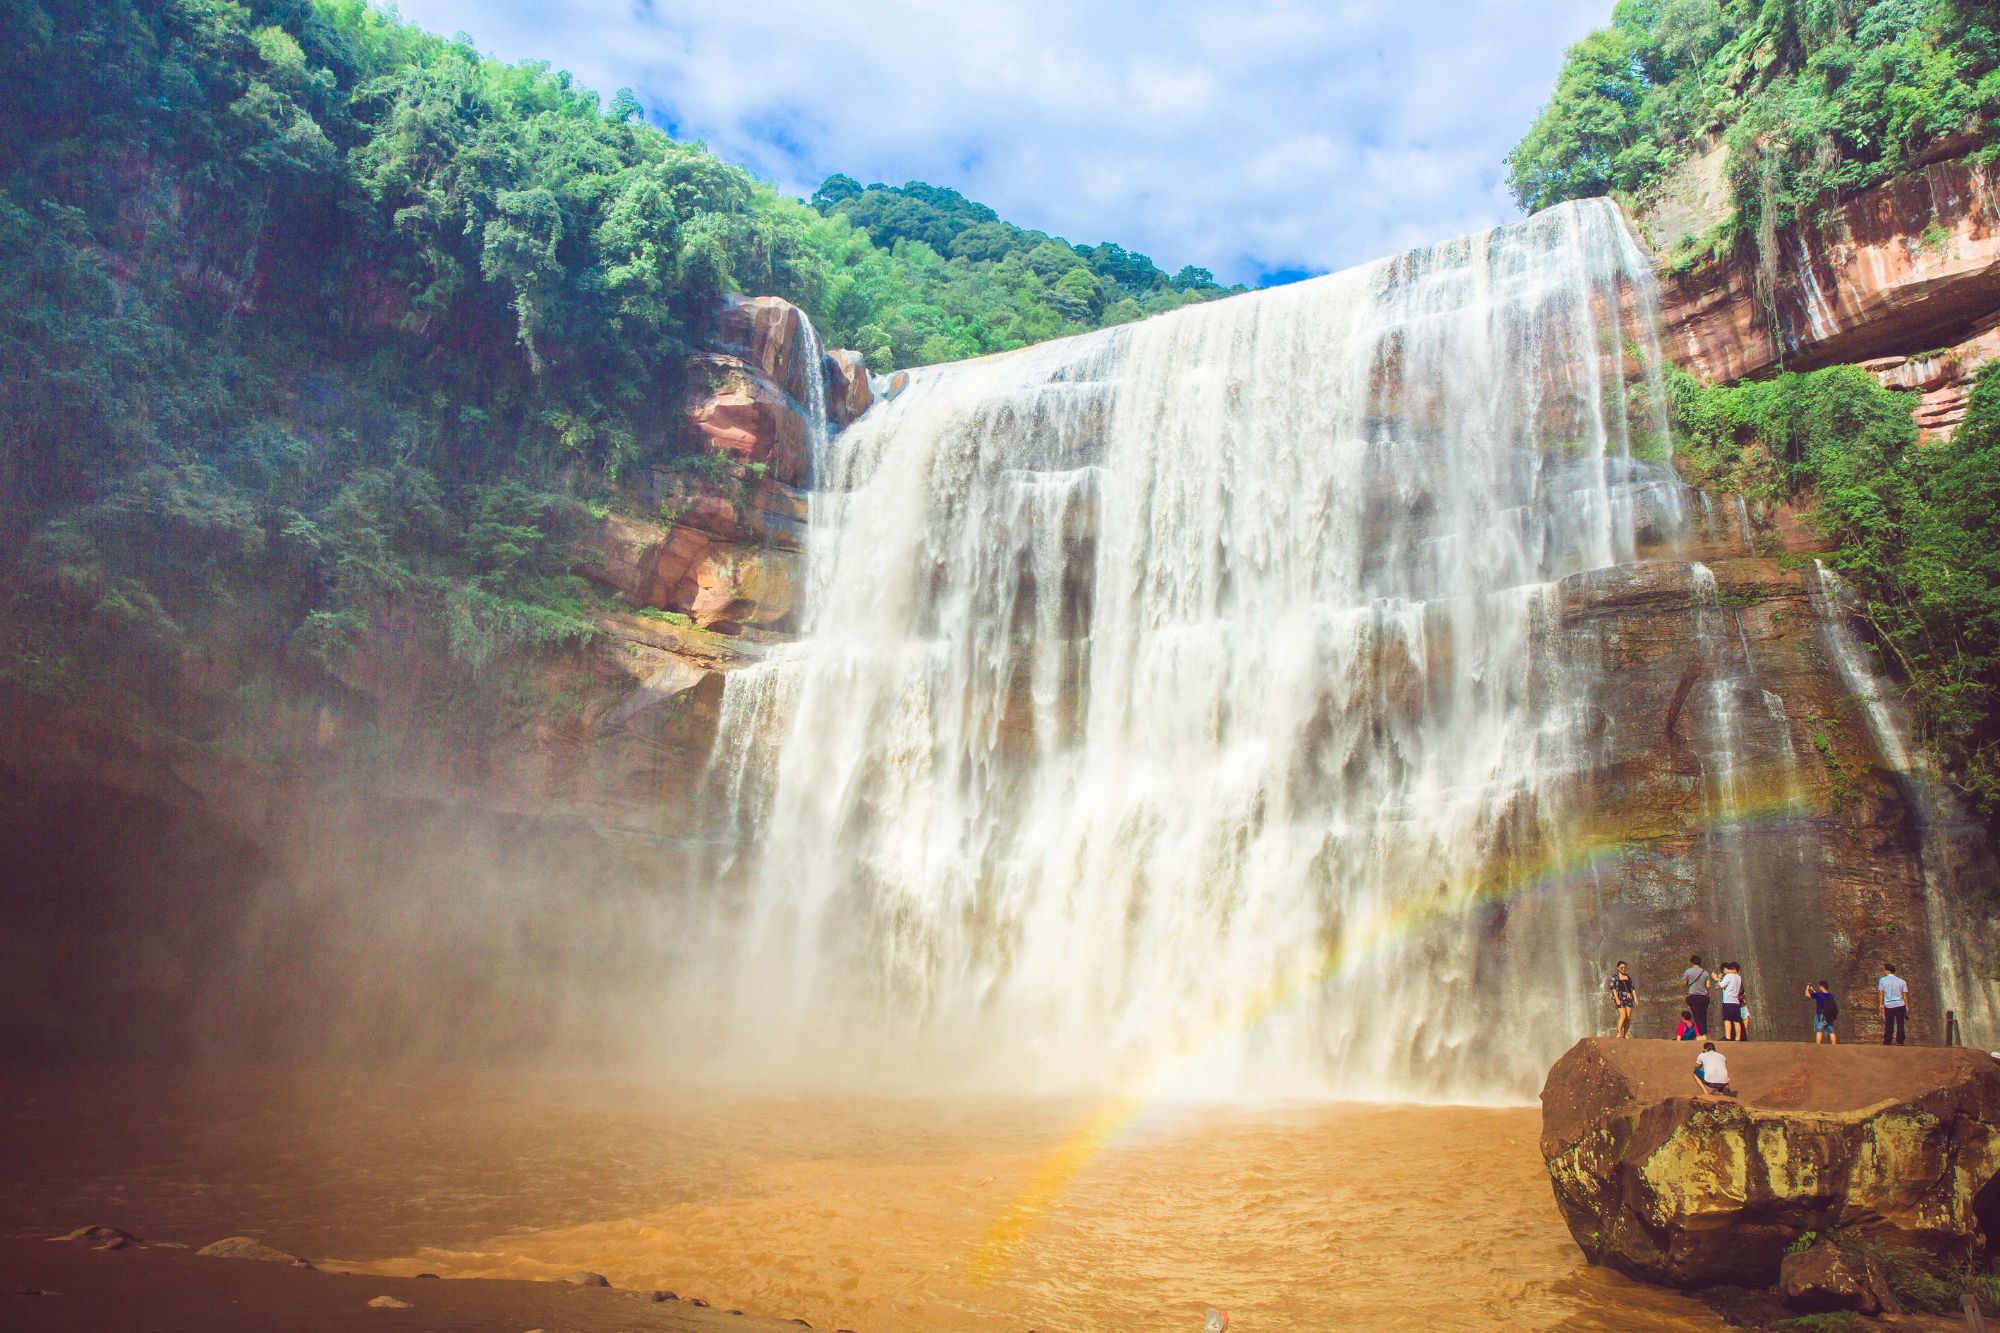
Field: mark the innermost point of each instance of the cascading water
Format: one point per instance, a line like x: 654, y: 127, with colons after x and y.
x: 1182, y: 696
x: 1960, y: 940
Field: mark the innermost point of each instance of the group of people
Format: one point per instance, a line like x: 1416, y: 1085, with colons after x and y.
x: 1711, y: 1067
x: 1695, y: 983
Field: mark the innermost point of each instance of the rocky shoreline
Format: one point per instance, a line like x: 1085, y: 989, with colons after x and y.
x: 101, y: 1277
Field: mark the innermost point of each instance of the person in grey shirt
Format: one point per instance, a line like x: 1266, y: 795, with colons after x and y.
x: 1696, y: 981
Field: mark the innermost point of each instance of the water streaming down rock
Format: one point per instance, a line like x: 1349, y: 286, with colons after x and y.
x: 1957, y: 865
x: 1148, y: 672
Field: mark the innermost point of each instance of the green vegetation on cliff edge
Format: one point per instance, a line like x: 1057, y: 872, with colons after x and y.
x: 1814, y: 98
x: 310, y: 318
x: 1916, y: 527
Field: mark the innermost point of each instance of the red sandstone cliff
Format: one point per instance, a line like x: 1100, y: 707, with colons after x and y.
x: 1903, y: 278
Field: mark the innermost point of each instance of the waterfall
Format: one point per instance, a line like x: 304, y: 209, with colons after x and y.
x: 1959, y: 939
x: 1183, y: 700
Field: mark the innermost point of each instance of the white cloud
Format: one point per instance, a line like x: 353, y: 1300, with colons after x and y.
x: 1244, y: 137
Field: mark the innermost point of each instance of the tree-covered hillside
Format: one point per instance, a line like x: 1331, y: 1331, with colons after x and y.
x: 1815, y: 98
x: 1012, y: 285
x: 307, y: 314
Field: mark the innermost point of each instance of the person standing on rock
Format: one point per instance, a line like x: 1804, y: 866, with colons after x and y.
x: 1696, y: 981
x: 1825, y: 1010
x: 1731, y: 983
x: 1623, y: 995
x: 1893, y: 996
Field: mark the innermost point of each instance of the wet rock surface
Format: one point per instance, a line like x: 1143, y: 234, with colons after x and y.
x: 1899, y: 1147
x: 243, y: 1247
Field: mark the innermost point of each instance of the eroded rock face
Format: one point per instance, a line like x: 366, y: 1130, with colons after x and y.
x: 1908, y: 266
x: 848, y: 394
x: 769, y: 333
x: 1943, y: 377
x: 731, y: 588
x: 747, y: 418
x: 1900, y: 1146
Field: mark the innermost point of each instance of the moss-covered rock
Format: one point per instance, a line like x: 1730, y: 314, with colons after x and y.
x: 1900, y: 1146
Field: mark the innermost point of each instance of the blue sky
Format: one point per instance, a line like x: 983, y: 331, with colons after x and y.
x: 1255, y: 139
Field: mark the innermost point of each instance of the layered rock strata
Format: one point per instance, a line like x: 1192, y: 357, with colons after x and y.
x: 1908, y: 267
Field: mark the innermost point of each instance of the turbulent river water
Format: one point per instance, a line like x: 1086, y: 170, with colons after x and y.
x: 871, y: 1214
x: 1175, y: 707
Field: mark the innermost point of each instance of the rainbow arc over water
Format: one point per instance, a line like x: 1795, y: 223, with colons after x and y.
x: 1111, y: 1119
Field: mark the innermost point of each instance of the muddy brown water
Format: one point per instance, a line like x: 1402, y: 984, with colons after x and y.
x: 864, y: 1214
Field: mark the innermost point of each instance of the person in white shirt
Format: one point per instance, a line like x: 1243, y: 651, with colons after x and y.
x: 1711, y: 1071
x: 1731, y: 981
x: 1893, y: 997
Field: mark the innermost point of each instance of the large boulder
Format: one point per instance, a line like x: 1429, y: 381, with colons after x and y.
x: 769, y: 332
x: 1899, y: 1147
x: 1823, y: 1278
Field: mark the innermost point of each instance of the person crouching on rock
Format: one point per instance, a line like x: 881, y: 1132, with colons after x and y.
x: 1685, y: 1030
x: 1623, y: 993
x: 1711, y: 1071
x: 1825, y: 1010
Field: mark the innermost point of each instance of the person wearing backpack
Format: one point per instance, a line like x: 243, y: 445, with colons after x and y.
x: 1826, y: 1009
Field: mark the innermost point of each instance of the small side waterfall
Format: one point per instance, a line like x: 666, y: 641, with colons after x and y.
x: 1958, y: 936
x: 1185, y: 696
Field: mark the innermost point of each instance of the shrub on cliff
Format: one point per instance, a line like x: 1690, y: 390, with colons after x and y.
x: 1917, y: 528
x: 1815, y: 98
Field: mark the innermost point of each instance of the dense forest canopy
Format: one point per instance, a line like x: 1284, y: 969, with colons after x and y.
x: 309, y: 311
x: 1814, y: 98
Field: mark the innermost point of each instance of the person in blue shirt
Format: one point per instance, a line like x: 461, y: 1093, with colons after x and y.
x: 1893, y: 996
x: 1825, y: 1010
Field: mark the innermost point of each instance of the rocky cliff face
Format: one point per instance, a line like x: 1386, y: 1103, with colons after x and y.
x: 1904, y: 278
x: 1905, y: 281
x: 1728, y: 747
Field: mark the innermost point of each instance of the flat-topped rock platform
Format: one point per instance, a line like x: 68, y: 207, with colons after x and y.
x: 1900, y: 1145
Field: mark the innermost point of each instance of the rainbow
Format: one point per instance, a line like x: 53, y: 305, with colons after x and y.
x: 1110, y: 1120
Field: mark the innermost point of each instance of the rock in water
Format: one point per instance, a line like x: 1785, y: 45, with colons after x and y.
x: 1900, y: 1146
x: 243, y: 1247
x: 388, y: 1303
x: 1826, y: 1278
x: 585, y: 1278
x: 100, y: 1232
